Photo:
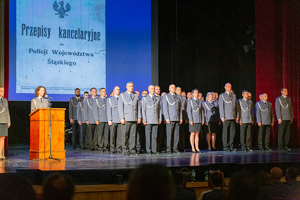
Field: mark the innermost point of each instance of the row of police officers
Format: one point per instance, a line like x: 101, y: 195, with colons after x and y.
x: 110, y: 124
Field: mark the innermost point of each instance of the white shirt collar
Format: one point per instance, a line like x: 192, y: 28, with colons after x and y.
x: 116, y: 96
x: 195, y: 98
x: 284, y: 96
x: 245, y: 99
x: 209, y: 101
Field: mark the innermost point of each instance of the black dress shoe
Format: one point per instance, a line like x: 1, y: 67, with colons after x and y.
x: 170, y: 152
x: 149, y: 153
x: 194, y: 152
x: 268, y: 149
x: 287, y: 149
x: 232, y: 149
x: 225, y: 149
x: 74, y: 147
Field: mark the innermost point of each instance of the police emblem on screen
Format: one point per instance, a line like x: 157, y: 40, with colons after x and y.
x: 61, y: 10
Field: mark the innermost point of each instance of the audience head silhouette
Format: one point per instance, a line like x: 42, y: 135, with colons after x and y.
x: 58, y: 187
x: 150, y: 181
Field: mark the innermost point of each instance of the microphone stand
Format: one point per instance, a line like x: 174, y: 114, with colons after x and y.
x: 50, y: 156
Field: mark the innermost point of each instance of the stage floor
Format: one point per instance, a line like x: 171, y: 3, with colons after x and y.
x: 85, y: 161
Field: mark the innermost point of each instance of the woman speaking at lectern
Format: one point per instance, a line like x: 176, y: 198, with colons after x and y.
x: 39, y: 101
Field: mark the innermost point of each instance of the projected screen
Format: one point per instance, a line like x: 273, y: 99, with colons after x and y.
x: 70, y: 44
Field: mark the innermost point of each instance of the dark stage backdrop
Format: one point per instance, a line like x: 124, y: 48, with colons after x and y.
x: 277, y: 55
x: 201, y: 45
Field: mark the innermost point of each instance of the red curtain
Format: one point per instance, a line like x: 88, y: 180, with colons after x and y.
x: 277, y: 55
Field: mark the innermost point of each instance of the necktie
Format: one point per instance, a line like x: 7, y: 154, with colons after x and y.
x: 117, y: 98
x: 1, y: 100
x: 197, y: 101
x: 152, y: 98
x: 41, y: 100
x: 130, y: 95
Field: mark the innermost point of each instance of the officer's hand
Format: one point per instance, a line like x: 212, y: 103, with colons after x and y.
x: 145, y: 123
x: 97, y: 122
x: 168, y: 121
x: 223, y: 119
x: 206, y: 124
x: 272, y: 124
x: 110, y: 123
x: 202, y: 122
x: 237, y: 120
x: 241, y: 123
x: 192, y: 123
x: 186, y: 121
x: 139, y: 120
x: 180, y: 121
x: 259, y: 123
x: 291, y: 121
x: 8, y: 125
x: 122, y: 121
x: 280, y: 121
x: 87, y: 122
x: 159, y: 122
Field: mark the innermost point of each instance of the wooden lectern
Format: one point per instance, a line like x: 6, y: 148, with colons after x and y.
x: 40, y: 133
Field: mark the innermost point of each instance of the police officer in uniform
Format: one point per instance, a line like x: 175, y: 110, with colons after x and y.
x: 227, y: 107
x: 130, y: 116
x: 4, y: 121
x: 284, y: 114
x: 73, y: 104
x: 100, y: 114
x: 152, y: 116
x: 83, y: 136
x: 114, y: 122
x: 92, y: 127
x: 173, y: 115
x: 265, y: 120
x: 39, y: 101
x: 245, y: 114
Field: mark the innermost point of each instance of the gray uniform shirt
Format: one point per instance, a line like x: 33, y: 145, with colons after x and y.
x: 227, y: 106
x: 39, y: 103
x: 211, y: 110
x: 129, y: 106
x: 100, y: 109
x: 151, y: 109
x: 184, y: 107
x: 245, y: 110
x: 172, y: 107
x: 73, y: 103
x: 284, y: 108
x: 4, y: 112
x: 264, y: 112
x: 88, y: 110
x: 80, y: 111
x: 112, y: 109
x: 195, y: 110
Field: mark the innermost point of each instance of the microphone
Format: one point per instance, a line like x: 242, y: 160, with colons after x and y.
x: 47, y: 97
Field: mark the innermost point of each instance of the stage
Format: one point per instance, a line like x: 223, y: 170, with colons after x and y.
x: 92, y: 167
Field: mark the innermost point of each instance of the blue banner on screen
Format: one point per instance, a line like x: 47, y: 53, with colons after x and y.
x: 70, y: 44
